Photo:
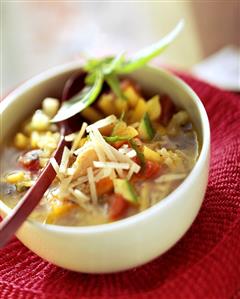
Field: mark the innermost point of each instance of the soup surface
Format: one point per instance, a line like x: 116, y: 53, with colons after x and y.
x: 129, y: 154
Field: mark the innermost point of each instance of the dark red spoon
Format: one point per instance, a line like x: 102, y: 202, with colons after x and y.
x: 30, y: 200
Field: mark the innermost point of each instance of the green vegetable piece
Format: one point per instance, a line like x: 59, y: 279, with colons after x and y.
x: 146, y: 131
x: 125, y: 189
x: 144, y: 56
x: 81, y: 101
x: 116, y: 138
x: 110, y: 67
x: 140, y: 155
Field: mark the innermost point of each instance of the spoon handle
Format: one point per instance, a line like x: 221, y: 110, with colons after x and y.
x: 23, y: 209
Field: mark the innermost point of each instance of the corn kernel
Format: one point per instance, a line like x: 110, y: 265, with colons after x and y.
x: 15, y: 177
x: 50, y: 106
x: 27, y: 129
x: 40, y: 121
x: 21, y: 141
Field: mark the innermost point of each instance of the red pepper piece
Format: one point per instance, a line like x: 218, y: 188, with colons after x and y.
x: 30, y: 160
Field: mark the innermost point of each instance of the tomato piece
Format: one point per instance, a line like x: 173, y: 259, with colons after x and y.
x: 168, y: 109
x: 118, y: 207
x: 137, y: 160
x: 150, y: 171
x: 30, y: 160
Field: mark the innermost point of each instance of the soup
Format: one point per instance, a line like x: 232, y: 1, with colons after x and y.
x: 129, y: 153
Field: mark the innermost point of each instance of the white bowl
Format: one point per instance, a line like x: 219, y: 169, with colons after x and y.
x: 135, y: 240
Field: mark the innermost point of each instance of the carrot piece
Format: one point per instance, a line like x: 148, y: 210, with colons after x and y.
x: 118, y: 207
x: 104, y: 186
x: 107, y: 130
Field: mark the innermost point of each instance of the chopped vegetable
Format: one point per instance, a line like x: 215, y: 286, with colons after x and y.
x: 15, y: 177
x: 154, y: 108
x: 140, y: 155
x: 151, y: 170
x: 106, y: 104
x: 132, y: 96
x: 114, y: 139
x: 151, y: 155
x: 139, y: 110
x: 146, y: 131
x: 118, y: 207
x: 125, y: 189
x: 91, y: 114
x: 30, y: 160
x: 59, y: 209
x: 104, y: 186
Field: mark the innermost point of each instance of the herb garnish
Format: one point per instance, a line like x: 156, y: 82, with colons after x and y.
x: 107, y: 69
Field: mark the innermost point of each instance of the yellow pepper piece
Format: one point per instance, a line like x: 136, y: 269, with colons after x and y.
x: 91, y: 114
x: 106, y: 104
x: 121, y: 105
x: 151, y: 155
x: 121, y: 129
x: 15, y: 177
x: 59, y: 209
x: 132, y: 96
x: 154, y: 108
x: 139, y: 110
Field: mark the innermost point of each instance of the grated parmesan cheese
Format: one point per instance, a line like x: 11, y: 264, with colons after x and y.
x: 83, y: 149
x: 79, y: 195
x: 114, y: 165
x: 92, y: 185
x: 102, y: 123
x: 79, y: 137
x: 64, y: 160
x: 70, y: 137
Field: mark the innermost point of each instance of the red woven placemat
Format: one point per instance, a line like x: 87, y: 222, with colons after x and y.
x: 204, y: 264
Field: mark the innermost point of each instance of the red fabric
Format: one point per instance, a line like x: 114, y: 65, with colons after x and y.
x: 204, y: 264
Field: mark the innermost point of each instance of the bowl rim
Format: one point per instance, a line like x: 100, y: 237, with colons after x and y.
x: 151, y: 211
